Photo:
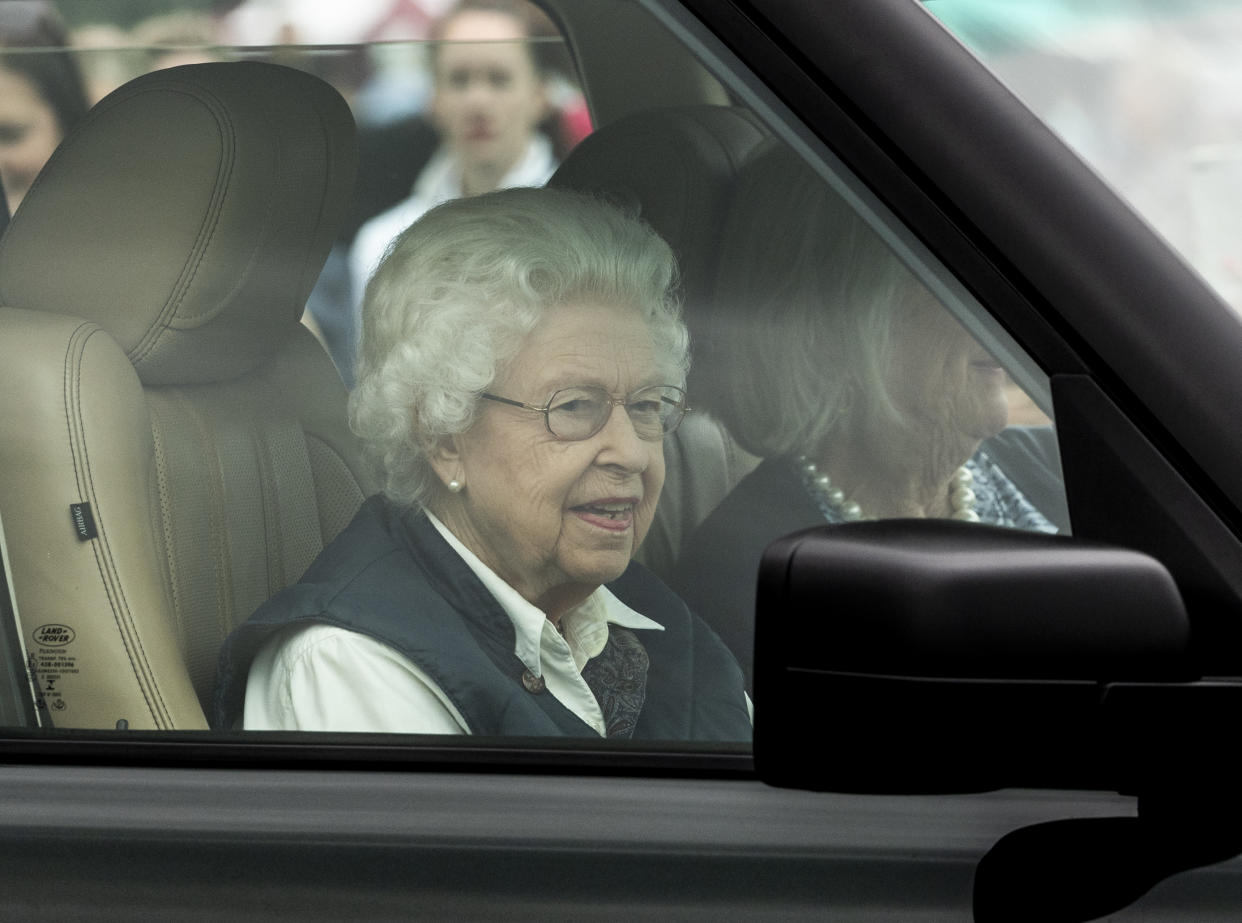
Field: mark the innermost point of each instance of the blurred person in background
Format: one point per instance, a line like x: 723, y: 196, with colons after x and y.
x: 41, y: 93
x: 489, y: 96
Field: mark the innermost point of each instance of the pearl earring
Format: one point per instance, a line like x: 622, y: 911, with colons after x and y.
x: 454, y: 486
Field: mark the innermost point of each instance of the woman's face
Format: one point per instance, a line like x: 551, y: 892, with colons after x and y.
x: 941, y: 377
x: 488, y: 96
x: 556, y: 519
x: 29, y: 133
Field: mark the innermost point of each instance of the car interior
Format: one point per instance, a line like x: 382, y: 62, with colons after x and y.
x: 177, y: 405
x: 249, y: 469
x: 174, y: 450
x: 183, y: 451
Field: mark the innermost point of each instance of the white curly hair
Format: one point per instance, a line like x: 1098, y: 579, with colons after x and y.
x: 459, y: 291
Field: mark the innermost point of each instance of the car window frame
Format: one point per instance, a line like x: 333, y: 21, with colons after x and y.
x: 835, y: 116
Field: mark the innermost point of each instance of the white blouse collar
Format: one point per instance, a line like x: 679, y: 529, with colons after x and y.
x: 585, y: 625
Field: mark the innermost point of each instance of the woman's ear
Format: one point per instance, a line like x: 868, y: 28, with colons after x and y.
x: 445, y: 460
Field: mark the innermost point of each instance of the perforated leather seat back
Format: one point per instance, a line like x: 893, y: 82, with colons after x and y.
x: 173, y: 446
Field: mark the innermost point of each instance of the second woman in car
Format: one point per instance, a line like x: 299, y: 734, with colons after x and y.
x: 865, y: 397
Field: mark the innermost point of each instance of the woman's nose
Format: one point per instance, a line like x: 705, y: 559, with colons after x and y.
x: 621, y: 444
x: 479, y: 93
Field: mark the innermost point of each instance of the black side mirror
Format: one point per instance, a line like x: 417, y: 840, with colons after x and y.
x: 933, y: 656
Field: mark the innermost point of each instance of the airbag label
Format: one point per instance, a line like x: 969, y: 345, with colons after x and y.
x: 83, y: 521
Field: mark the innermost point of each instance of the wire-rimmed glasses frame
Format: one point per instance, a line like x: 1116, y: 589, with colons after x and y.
x: 577, y: 413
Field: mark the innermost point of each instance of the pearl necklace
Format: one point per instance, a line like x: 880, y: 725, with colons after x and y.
x: 961, y: 497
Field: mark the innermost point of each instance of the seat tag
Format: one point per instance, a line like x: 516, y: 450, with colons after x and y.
x: 83, y: 521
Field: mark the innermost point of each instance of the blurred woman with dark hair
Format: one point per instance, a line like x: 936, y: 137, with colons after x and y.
x: 41, y: 93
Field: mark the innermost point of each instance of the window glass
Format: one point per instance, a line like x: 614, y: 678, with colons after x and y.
x: 839, y: 372
x: 1145, y: 93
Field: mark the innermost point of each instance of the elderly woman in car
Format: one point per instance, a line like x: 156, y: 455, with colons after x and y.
x: 863, y: 395
x: 522, y: 360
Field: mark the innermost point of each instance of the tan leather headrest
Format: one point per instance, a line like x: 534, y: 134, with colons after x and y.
x: 188, y: 215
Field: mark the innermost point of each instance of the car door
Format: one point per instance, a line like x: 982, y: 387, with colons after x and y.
x: 973, y: 159
x: 1108, y: 333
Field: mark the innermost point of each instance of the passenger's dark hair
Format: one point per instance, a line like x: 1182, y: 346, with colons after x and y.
x: 31, y: 32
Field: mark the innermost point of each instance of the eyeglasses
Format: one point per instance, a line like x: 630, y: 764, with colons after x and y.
x: 573, y: 414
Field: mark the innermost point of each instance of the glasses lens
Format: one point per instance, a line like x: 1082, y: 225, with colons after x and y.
x: 656, y: 412
x: 578, y: 413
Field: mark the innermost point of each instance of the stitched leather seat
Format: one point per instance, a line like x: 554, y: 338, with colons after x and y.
x: 173, y: 446
x: 677, y: 168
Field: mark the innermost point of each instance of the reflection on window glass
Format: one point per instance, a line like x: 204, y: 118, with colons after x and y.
x: 1146, y: 93
x: 516, y: 362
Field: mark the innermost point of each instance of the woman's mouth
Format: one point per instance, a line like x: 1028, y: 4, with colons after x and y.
x: 614, y: 515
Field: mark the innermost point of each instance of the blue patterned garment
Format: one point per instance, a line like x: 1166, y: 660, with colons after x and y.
x: 997, y: 499
x: 617, y: 677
